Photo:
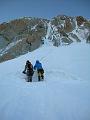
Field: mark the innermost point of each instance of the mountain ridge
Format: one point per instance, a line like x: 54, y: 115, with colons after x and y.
x: 26, y: 34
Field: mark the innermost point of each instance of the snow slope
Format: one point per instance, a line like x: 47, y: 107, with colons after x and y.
x: 63, y: 95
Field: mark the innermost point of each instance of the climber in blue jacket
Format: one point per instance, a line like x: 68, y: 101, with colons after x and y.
x: 40, y: 70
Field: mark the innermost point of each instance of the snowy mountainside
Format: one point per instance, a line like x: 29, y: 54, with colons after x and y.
x: 63, y: 95
x: 26, y: 34
x: 63, y: 32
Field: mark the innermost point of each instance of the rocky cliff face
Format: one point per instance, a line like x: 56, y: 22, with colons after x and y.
x: 19, y: 36
x: 69, y: 29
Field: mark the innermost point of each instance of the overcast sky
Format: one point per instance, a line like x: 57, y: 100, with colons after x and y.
x: 11, y: 9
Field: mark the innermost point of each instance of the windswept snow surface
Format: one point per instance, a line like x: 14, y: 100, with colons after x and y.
x: 63, y: 95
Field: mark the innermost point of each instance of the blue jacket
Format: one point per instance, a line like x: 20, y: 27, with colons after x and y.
x: 37, y: 65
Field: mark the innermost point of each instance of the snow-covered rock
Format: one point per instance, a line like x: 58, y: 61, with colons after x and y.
x: 30, y: 33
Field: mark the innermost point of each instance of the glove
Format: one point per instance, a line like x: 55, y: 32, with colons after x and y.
x: 24, y: 72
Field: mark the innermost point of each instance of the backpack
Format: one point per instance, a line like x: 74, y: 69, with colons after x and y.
x: 30, y: 69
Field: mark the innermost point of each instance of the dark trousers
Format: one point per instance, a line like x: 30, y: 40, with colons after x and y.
x: 40, y: 74
x: 29, y: 78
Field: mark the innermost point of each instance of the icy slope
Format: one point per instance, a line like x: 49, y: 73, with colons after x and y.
x: 65, y: 93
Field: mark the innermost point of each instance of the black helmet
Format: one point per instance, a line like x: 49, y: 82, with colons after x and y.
x: 27, y: 62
